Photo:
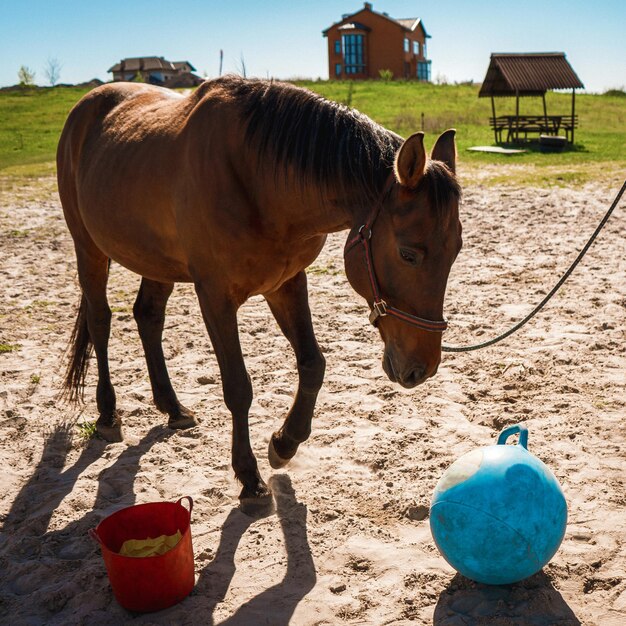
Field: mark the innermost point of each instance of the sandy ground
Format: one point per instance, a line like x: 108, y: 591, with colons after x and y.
x: 348, y: 542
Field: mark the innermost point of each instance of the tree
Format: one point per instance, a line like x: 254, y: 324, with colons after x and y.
x: 26, y: 76
x: 53, y: 70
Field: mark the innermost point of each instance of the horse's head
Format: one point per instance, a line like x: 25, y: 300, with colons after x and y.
x: 399, y: 261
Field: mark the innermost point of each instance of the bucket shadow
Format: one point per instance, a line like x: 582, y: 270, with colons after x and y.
x: 532, y: 601
x: 276, y: 604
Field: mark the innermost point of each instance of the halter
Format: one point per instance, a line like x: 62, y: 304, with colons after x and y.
x: 379, y: 307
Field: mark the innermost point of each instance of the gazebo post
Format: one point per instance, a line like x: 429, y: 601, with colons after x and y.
x: 573, y: 112
x: 495, y: 126
x: 517, y: 115
x: 545, y: 110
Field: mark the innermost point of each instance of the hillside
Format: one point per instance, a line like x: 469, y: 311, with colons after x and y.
x: 32, y: 120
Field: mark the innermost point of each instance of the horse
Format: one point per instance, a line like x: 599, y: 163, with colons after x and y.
x: 234, y: 188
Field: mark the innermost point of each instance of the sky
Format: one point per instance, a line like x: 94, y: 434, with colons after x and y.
x: 283, y: 38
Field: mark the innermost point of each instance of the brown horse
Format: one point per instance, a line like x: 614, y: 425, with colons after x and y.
x: 234, y: 188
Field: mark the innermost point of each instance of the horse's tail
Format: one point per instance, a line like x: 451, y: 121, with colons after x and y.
x: 78, y: 353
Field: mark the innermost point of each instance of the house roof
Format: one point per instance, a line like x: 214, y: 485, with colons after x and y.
x: 408, y: 23
x: 528, y: 74
x: 411, y: 23
x: 180, y: 65
x: 147, y: 64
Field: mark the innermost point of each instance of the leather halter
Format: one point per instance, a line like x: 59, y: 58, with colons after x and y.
x: 379, y: 307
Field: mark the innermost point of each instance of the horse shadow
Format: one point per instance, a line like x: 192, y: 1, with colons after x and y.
x: 53, y: 556
x: 27, y: 543
x: 532, y: 601
x: 48, y: 485
x: 276, y: 604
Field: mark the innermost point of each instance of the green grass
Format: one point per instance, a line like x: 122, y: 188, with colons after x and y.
x: 87, y: 430
x: 31, y: 122
x: 9, y: 347
x: 399, y: 106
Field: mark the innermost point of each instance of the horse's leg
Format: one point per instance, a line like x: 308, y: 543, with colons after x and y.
x: 93, y: 274
x: 149, y: 312
x: 290, y: 306
x: 220, y: 316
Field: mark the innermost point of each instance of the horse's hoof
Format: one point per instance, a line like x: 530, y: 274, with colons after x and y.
x: 188, y: 420
x: 110, y: 432
x: 276, y: 461
x: 256, y: 503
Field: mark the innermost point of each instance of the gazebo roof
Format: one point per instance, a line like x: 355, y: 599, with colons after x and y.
x: 529, y: 74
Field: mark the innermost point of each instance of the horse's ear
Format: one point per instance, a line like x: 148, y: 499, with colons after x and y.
x: 411, y: 161
x: 445, y: 149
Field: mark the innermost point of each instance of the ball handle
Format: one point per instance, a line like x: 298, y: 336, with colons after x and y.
x: 512, y: 430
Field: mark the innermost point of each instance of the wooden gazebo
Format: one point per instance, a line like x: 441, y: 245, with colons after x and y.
x: 530, y: 74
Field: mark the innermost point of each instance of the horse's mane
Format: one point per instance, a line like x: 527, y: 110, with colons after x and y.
x: 325, y: 142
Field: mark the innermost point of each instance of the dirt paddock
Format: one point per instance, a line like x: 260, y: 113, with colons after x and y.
x: 349, y: 542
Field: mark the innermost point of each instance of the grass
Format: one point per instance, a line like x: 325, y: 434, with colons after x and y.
x: 18, y: 234
x: 599, y: 152
x: 324, y: 270
x: 9, y: 347
x: 32, y: 120
x: 87, y: 430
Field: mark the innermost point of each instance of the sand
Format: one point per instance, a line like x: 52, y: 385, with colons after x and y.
x: 349, y: 542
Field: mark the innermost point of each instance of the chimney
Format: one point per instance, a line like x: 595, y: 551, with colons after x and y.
x: 368, y: 6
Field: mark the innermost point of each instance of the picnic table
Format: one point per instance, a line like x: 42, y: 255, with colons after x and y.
x: 519, y: 127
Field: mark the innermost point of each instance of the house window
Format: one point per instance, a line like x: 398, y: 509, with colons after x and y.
x: 337, y: 46
x: 406, y: 44
x: 337, y: 69
x: 416, y: 48
x: 354, y: 54
x: 423, y: 70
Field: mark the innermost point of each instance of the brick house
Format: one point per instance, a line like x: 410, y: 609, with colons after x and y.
x: 156, y: 70
x: 366, y: 42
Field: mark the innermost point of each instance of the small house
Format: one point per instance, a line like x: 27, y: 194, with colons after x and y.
x: 366, y: 43
x: 156, y: 71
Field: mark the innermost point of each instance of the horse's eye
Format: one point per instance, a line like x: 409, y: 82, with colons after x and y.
x: 410, y: 256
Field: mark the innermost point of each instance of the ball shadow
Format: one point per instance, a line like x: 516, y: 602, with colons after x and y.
x: 530, y: 601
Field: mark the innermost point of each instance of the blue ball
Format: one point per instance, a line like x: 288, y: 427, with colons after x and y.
x: 498, y: 514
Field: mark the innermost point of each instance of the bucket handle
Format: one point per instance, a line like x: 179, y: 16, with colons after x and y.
x: 93, y: 533
x: 189, y: 503
x: 512, y: 430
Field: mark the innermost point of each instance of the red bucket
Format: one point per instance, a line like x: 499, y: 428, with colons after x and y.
x: 155, y: 582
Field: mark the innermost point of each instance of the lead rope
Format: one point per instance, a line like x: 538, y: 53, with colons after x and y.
x: 540, y: 306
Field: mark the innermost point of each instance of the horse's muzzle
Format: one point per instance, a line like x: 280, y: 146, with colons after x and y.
x: 407, y: 377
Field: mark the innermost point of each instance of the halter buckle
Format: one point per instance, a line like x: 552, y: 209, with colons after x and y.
x: 379, y: 309
x: 365, y: 232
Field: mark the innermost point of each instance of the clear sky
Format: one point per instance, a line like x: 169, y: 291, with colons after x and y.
x: 283, y: 38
